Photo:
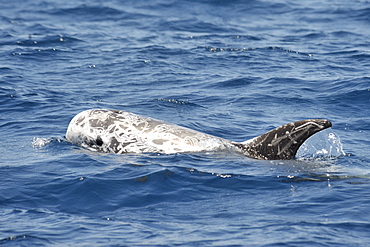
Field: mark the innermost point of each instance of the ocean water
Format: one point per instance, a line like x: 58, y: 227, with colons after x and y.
x: 234, y: 69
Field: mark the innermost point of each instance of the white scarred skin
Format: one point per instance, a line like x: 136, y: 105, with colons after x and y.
x: 124, y: 132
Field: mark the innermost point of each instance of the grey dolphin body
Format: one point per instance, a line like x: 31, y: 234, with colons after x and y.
x: 114, y: 131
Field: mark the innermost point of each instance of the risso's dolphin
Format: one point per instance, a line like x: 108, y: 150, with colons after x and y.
x: 120, y: 132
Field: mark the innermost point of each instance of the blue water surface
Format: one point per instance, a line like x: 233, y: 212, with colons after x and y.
x: 233, y: 69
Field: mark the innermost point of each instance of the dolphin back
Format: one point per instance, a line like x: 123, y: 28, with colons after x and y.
x: 283, y: 142
x: 119, y: 132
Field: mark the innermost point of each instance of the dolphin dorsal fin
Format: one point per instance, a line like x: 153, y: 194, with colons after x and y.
x: 283, y: 142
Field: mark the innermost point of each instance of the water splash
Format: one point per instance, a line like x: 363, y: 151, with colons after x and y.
x: 39, y: 142
x: 325, y: 144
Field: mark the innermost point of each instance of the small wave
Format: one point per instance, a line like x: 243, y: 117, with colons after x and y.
x: 86, y: 10
x: 23, y: 239
x: 47, y: 40
x: 217, y: 49
x: 194, y: 24
x: 175, y: 101
x: 179, y: 102
x: 325, y: 177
